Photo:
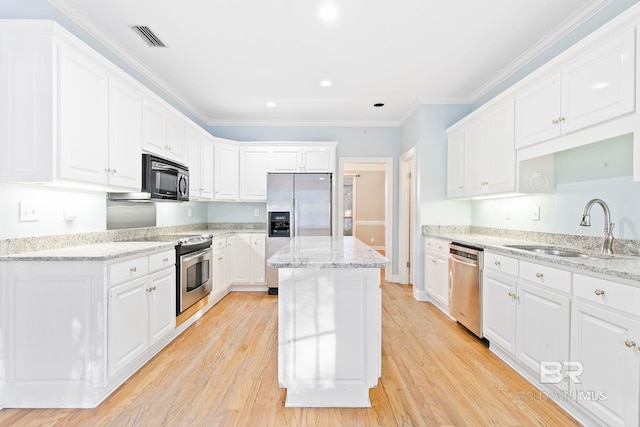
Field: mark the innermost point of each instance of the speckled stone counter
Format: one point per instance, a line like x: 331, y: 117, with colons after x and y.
x: 617, y: 266
x: 327, y: 252
x: 93, y: 252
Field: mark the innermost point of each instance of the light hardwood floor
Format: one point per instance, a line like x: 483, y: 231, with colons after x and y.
x: 222, y: 371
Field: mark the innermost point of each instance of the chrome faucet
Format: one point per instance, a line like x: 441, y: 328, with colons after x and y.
x: 608, y: 225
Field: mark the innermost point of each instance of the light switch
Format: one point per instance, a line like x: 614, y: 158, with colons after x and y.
x: 29, y: 211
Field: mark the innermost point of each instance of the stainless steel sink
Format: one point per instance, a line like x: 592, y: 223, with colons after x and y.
x: 561, y: 252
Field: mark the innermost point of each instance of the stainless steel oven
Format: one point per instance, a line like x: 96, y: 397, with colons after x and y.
x: 194, y: 271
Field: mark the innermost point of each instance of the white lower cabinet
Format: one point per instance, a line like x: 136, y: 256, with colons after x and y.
x: 526, y: 319
x: 605, y: 339
x: 141, y: 312
x: 246, y: 259
x: 220, y: 264
x: 437, y: 272
x: 78, y: 329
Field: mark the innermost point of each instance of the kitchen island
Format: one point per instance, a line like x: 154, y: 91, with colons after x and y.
x: 329, y: 321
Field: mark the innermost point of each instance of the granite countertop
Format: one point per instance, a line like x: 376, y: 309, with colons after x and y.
x: 327, y: 252
x: 92, y: 252
x: 618, y: 266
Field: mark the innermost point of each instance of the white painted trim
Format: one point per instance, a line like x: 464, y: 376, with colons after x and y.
x: 388, y: 210
x: 406, y: 194
x: 420, y: 295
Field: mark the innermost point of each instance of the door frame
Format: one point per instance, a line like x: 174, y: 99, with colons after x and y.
x: 407, y: 217
x: 388, y: 205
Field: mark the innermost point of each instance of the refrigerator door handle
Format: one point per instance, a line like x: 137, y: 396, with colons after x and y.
x: 295, y: 218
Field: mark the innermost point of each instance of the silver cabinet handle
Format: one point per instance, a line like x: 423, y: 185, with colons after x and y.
x: 434, y: 261
x: 630, y: 343
x: 554, y: 121
x: 113, y: 171
x: 561, y: 119
x: 539, y: 275
x: 599, y: 292
x: 133, y: 269
x: 497, y: 263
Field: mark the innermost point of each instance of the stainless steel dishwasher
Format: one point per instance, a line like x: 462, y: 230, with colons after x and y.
x: 465, y: 286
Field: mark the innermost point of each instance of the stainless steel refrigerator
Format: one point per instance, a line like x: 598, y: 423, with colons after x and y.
x: 297, y: 205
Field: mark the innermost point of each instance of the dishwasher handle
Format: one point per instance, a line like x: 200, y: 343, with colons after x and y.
x: 461, y: 260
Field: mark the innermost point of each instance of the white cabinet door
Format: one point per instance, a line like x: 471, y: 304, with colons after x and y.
x: 537, y: 112
x: 318, y: 159
x: 125, y: 136
x: 437, y: 278
x: 128, y: 335
x: 219, y: 270
x: 239, y: 258
x: 474, y: 157
x: 602, y: 341
x: 499, y: 165
x: 175, y: 149
x: 258, y: 266
x: 154, y: 127
x: 206, y: 169
x: 162, y: 304
x: 83, y: 117
x: 285, y: 159
x: 455, y: 164
x: 193, y: 162
x: 599, y: 85
x: 253, y: 173
x: 499, y: 310
x: 542, y: 323
x: 226, y: 172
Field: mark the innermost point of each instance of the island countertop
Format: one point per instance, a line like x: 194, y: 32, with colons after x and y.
x: 327, y: 252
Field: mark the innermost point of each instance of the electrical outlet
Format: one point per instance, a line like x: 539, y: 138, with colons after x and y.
x: 373, y: 240
x: 189, y: 213
x: 507, y: 214
x: 29, y: 211
x: 256, y: 212
x: 535, y: 214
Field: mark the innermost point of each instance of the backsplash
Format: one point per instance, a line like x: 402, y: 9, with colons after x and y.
x: 39, y: 243
x: 586, y: 243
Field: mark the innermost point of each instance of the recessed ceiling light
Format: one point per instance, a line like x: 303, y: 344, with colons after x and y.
x: 271, y: 104
x: 328, y: 12
x: 378, y: 104
x: 325, y: 83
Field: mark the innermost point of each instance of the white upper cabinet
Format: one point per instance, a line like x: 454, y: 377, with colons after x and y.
x: 226, y: 171
x: 125, y: 135
x: 200, y: 162
x: 455, y: 164
x: 302, y: 158
x: 253, y: 173
x: 83, y: 120
x: 164, y: 131
x: 481, y: 153
x: 592, y: 88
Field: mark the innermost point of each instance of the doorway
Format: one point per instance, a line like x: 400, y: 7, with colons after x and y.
x: 365, y: 202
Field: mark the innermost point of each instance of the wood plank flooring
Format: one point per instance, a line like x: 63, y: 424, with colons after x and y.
x: 222, y: 371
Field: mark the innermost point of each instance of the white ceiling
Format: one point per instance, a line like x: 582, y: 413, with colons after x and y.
x: 226, y: 58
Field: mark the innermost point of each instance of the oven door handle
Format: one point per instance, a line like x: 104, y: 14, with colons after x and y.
x: 460, y: 261
x: 190, y: 257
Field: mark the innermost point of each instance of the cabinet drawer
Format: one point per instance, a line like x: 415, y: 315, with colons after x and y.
x: 219, y: 243
x: 607, y: 294
x: 436, y: 245
x: 547, y: 276
x: 501, y: 263
x: 162, y: 260
x: 128, y: 270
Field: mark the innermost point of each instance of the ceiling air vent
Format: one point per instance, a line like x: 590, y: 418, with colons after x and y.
x: 148, y: 35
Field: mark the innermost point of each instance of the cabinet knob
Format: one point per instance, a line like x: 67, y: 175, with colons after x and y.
x: 133, y: 269
x: 539, y: 275
x: 113, y: 171
x: 165, y: 259
x: 630, y: 343
x: 497, y: 263
x: 599, y: 292
x: 460, y: 187
x: 561, y: 119
x: 434, y: 261
x: 555, y: 121
x: 513, y: 296
x: 106, y: 171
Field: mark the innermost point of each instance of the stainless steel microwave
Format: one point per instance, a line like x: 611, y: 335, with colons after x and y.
x: 164, y: 179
